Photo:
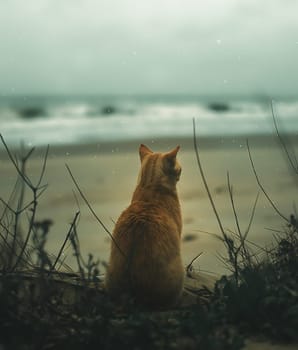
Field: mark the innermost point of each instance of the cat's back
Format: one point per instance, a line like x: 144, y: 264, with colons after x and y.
x: 149, y: 224
x: 146, y: 262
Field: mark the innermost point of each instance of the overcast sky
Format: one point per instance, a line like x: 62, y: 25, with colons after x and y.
x: 156, y: 46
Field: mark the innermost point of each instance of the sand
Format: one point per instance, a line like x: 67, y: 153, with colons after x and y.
x: 107, y: 175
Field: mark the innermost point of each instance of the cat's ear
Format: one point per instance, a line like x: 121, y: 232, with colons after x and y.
x: 171, y: 167
x: 172, y: 154
x: 143, y: 151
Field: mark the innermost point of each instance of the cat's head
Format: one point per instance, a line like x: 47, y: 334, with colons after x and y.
x: 159, y: 167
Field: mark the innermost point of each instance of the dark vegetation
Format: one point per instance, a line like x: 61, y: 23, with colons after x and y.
x: 43, y: 305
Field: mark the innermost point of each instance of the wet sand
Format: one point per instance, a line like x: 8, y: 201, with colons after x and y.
x: 107, y: 175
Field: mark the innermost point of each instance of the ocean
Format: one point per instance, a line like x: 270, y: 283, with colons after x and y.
x: 63, y: 120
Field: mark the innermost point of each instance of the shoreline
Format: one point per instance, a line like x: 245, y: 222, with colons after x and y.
x: 214, y: 142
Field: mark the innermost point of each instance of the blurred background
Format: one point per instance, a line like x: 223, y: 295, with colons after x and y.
x: 86, y: 71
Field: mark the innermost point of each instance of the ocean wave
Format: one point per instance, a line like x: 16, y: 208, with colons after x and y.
x: 78, y: 120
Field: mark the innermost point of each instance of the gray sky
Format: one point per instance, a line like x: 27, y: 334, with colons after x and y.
x: 156, y: 46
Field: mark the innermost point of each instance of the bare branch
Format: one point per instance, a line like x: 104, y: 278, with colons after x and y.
x: 92, y: 210
x: 10, y: 200
x: 293, y: 163
x: 15, y: 163
x: 30, y: 227
x: 251, y: 216
x: 262, y: 187
x: 189, y: 266
x: 65, y: 241
x: 196, y: 147
x: 43, y: 167
x: 230, y: 188
x: 7, y: 206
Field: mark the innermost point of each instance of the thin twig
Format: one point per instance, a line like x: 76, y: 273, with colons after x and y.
x: 92, y: 210
x: 196, y: 147
x: 283, y: 143
x: 20, y: 203
x: 45, y: 158
x: 37, y: 191
x: 189, y: 266
x: 10, y: 200
x: 5, y: 241
x: 7, y: 206
x: 241, y: 236
x: 230, y: 188
x: 30, y: 227
x: 262, y: 187
x: 15, y: 163
x: 64, y: 243
x: 74, y: 239
x: 241, y: 249
x: 251, y: 216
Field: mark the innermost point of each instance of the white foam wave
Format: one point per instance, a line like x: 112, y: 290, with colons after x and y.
x: 78, y: 122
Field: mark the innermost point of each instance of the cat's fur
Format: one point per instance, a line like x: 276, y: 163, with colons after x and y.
x: 146, y: 263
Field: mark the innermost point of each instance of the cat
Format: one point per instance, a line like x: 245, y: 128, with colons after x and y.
x: 145, y: 260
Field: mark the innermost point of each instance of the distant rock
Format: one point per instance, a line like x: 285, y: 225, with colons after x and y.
x: 189, y: 237
x: 219, y: 107
x: 106, y: 110
x: 220, y: 189
x: 31, y: 112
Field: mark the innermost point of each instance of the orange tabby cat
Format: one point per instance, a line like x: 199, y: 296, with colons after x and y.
x: 145, y: 260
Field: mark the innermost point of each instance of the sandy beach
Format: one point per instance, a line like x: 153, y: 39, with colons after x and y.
x: 107, y: 174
